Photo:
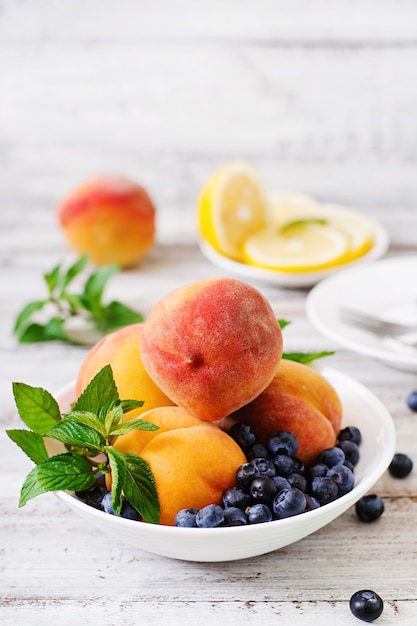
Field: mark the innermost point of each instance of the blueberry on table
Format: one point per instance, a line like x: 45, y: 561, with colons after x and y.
x: 369, y: 508
x: 366, y: 605
x: 412, y: 400
x: 400, y: 466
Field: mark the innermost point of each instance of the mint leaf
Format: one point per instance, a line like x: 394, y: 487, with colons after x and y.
x: 33, y: 333
x: 88, y: 419
x: 52, y: 278
x: 139, y: 488
x: 118, y: 476
x: 26, y: 313
x: 36, y: 407
x: 94, y: 287
x: 100, y: 391
x: 113, y: 418
x: 74, y: 270
x: 72, y: 433
x: 303, y: 220
x: 63, y: 471
x: 133, y: 424
x: 116, y: 315
x: 305, y: 357
x: 31, y: 443
x: 283, y: 323
x: 129, y: 405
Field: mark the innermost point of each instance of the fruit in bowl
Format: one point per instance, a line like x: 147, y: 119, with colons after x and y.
x: 111, y: 218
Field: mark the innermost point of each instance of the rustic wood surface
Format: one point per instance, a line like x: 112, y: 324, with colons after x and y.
x: 320, y: 97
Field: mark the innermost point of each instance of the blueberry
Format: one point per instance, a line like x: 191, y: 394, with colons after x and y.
x: 401, y: 465
x: 351, y: 451
x: 210, y: 516
x: 243, y: 435
x: 281, y: 483
x: 236, y: 497
x: 246, y: 473
x: 284, y: 465
x: 298, y: 480
x: 263, y: 489
x: 283, y: 442
x: 343, y: 477
x: 127, y: 510
x: 320, y: 469
x: 369, y: 508
x: 233, y: 516
x: 332, y: 456
x: 324, y: 489
x: 311, y: 503
x: 92, y: 497
x: 412, y: 400
x: 289, y: 502
x: 350, y: 433
x: 259, y: 513
x: 186, y: 518
x: 366, y: 605
x: 258, y: 450
x: 298, y: 466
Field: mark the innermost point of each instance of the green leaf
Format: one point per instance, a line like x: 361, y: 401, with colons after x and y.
x: 33, y: 333
x: 52, y: 278
x: 117, y: 315
x: 283, y: 323
x: 140, y: 489
x: 94, y: 287
x: 134, y: 424
x: 31, y: 443
x: 100, y: 391
x: 118, y: 476
x: 302, y: 221
x: 88, y: 419
x: 54, y: 330
x: 113, y: 419
x: 130, y: 405
x: 63, y: 471
x: 26, y: 313
x: 72, y: 433
x: 37, y: 407
x: 305, y: 357
x: 74, y: 270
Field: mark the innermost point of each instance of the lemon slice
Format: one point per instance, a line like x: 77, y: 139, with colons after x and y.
x: 302, y: 247
x: 357, y: 227
x: 231, y: 207
x: 286, y: 206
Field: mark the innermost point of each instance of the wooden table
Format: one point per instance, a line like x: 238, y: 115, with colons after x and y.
x: 320, y: 99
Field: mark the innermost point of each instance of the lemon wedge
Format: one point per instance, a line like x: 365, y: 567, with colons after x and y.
x: 231, y: 207
x: 305, y: 246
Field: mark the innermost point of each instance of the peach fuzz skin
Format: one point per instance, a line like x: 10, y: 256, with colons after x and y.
x: 193, y: 462
x: 120, y: 349
x: 110, y: 218
x: 300, y: 400
x: 212, y: 346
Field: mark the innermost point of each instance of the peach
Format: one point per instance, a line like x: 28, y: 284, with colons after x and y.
x: 212, y: 346
x: 121, y: 350
x: 193, y: 462
x: 110, y: 218
x: 301, y: 400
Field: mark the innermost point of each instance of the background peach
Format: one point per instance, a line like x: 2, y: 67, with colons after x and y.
x: 301, y: 400
x: 121, y: 350
x: 212, y: 346
x: 193, y: 462
x: 110, y: 218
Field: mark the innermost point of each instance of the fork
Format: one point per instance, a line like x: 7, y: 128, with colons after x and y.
x: 378, y: 326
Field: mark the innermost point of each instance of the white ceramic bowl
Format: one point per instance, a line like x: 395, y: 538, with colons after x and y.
x: 361, y: 408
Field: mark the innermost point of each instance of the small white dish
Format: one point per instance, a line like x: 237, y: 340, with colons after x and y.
x: 295, y: 279
x: 361, y: 408
x: 385, y: 288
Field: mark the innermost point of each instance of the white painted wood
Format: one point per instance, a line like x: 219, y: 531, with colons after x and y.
x: 320, y: 97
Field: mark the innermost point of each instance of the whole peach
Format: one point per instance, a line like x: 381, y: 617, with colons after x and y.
x: 110, y: 218
x: 301, y: 400
x: 120, y: 349
x: 193, y: 462
x: 212, y: 346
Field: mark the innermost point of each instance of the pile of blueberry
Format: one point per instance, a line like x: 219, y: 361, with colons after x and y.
x: 274, y: 484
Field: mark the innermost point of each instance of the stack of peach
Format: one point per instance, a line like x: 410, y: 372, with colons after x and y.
x: 210, y: 354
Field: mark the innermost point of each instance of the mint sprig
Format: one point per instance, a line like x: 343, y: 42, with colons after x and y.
x: 87, y: 433
x: 302, y: 357
x: 48, y: 319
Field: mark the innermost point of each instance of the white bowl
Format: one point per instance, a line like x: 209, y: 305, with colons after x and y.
x: 361, y: 409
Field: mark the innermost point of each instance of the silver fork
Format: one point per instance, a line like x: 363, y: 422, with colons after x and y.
x: 380, y: 327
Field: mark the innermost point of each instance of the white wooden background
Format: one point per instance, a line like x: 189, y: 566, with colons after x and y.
x: 320, y: 96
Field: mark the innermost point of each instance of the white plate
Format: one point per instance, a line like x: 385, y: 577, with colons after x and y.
x: 387, y: 288
x: 294, y: 279
x: 361, y: 408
